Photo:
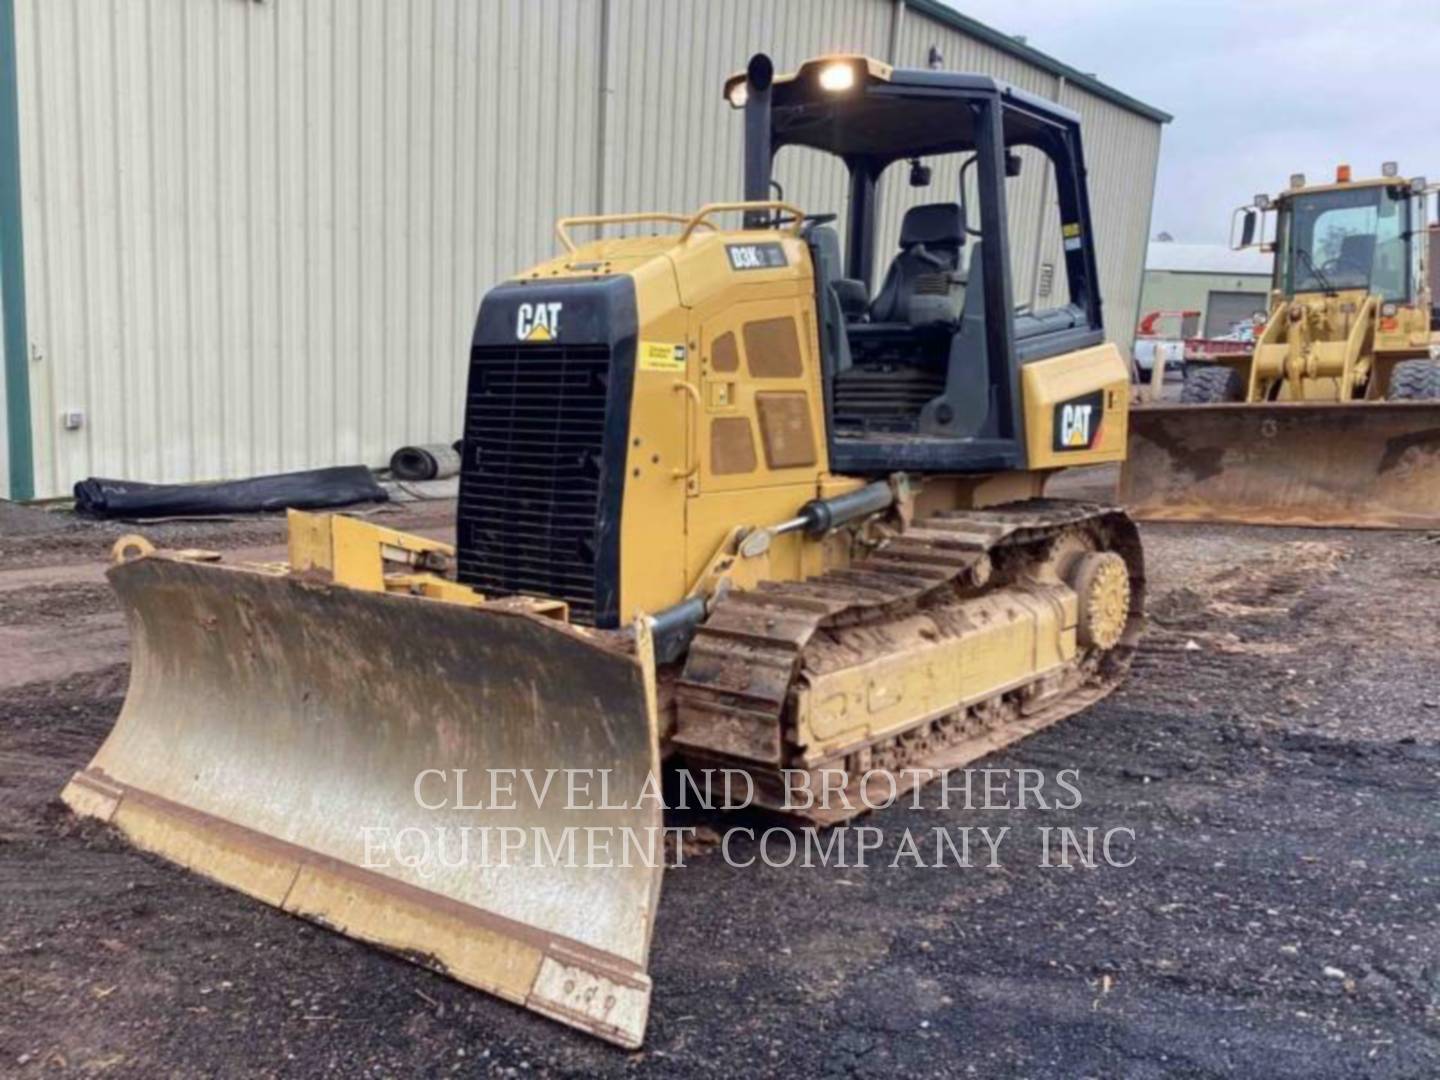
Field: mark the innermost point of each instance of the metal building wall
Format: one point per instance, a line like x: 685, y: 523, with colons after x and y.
x: 16, y: 473
x: 257, y: 233
x: 5, y: 492
x: 1174, y: 290
x: 1122, y: 153
x: 918, y: 34
x: 1122, y: 150
x: 674, y: 142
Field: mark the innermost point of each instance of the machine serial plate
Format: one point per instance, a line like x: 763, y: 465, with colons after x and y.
x: 755, y: 256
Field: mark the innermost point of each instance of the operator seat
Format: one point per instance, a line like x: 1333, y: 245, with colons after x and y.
x: 1357, y: 254
x: 924, y: 285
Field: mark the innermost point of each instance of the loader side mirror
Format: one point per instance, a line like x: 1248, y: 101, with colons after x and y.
x: 1012, y: 165
x: 1248, y: 219
x: 919, y: 173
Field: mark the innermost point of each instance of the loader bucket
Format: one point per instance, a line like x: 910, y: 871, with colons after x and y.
x: 1361, y: 465
x: 303, y: 743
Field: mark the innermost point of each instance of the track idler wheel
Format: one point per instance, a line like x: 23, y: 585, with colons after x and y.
x: 1101, y: 580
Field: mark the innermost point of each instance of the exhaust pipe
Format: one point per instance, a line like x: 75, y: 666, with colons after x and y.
x: 759, y: 74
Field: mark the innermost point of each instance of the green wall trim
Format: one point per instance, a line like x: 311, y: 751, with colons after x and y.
x: 12, y: 269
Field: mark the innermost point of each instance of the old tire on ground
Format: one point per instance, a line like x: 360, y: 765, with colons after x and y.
x: 1414, y: 380
x: 1212, y: 384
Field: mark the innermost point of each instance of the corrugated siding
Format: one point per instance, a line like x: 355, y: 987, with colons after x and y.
x: 674, y: 142
x: 1122, y: 152
x: 4, y: 417
x: 257, y: 233
x: 918, y: 33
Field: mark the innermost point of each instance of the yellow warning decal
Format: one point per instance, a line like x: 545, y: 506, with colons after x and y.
x: 1071, y: 229
x: 658, y: 356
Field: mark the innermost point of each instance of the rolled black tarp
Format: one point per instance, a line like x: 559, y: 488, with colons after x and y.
x: 312, y: 489
x: 431, y: 461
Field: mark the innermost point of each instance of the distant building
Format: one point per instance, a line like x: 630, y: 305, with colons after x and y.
x: 1225, y: 286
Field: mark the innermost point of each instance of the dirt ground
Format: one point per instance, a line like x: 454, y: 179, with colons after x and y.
x: 1276, y: 752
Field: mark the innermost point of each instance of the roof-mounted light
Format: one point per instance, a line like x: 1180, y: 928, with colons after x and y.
x: 1262, y: 202
x: 837, y: 77
x: 1390, y: 169
x: 738, y: 94
x: 1297, y: 180
x: 1342, y: 174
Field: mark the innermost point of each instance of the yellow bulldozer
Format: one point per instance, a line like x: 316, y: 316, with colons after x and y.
x: 722, y: 502
x: 1333, y: 417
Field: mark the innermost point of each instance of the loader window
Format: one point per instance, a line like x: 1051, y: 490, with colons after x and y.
x: 1355, y: 239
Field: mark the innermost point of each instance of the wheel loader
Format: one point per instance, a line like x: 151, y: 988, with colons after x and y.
x: 727, y: 500
x: 1333, y: 417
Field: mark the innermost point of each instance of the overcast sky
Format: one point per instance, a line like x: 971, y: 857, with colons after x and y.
x: 1259, y: 89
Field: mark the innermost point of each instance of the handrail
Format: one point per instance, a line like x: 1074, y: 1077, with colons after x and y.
x: 692, y: 440
x: 698, y: 219
x: 563, y: 226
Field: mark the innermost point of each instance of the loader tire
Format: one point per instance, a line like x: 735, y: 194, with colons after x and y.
x: 1211, y: 385
x: 1414, y: 380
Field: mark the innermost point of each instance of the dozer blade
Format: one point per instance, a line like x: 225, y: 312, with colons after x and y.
x: 1362, y: 465
x: 277, y: 735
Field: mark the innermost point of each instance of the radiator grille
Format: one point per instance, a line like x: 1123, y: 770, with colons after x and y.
x: 530, y: 486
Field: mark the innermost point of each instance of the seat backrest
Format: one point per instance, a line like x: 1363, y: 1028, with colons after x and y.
x: 1357, y: 251
x: 931, y: 237
x: 936, y: 225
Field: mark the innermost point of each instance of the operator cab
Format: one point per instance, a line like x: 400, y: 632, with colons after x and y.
x: 922, y: 358
x: 1351, y: 235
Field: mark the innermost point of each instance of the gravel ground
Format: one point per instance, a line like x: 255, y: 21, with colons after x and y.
x: 1275, y: 752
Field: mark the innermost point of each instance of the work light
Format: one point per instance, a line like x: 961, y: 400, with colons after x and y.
x: 836, y: 77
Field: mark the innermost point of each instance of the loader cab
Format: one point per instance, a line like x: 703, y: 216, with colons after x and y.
x: 1348, y: 237
x: 1365, y: 236
x: 924, y: 328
